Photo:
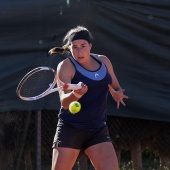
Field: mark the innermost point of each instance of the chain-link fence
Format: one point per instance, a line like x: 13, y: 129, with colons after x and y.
x: 26, y: 138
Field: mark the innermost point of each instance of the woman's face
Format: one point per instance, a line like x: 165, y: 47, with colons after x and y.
x: 80, y: 50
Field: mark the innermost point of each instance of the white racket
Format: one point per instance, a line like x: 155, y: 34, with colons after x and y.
x: 39, y: 83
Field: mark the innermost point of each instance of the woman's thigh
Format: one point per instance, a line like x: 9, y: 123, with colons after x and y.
x: 103, y: 156
x: 64, y: 158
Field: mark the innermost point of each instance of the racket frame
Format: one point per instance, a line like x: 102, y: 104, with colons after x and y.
x: 51, y: 88
x: 46, y: 92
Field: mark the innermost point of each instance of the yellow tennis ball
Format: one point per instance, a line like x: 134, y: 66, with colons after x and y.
x: 74, y: 107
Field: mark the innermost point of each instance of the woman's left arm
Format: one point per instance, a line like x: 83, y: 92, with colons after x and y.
x: 115, y: 89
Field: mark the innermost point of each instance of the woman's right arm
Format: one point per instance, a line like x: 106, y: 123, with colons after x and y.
x: 65, y: 72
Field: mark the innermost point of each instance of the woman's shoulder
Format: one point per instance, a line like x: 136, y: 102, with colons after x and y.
x: 101, y: 57
x: 65, y: 64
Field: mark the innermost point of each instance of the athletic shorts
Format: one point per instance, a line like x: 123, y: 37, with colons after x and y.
x: 71, y: 137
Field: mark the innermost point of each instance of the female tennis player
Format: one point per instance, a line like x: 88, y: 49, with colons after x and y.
x: 86, y: 130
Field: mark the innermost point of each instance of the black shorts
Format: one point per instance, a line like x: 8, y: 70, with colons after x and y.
x: 71, y: 137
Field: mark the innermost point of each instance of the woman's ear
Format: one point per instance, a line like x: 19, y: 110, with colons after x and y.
x: 90, y: 46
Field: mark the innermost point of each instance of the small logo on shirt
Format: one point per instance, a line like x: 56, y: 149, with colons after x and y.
x: 96, y: 75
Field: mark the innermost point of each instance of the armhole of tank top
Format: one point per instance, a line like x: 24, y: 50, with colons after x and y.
x: 96, y: 58
x: 72, y: 62
x: 99, y: 60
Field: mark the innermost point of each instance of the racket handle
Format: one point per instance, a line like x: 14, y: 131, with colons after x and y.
x: 66, y: 86
x: 72, y: 86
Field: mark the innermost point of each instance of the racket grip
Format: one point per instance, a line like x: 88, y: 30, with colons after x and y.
x: 72, y: 86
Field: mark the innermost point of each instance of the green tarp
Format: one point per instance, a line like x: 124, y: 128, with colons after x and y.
x: 133, y: 34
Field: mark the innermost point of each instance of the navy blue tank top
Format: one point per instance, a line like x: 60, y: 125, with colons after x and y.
x: 92, y: 115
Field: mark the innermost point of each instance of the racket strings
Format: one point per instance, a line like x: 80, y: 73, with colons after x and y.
x: 37, y: 83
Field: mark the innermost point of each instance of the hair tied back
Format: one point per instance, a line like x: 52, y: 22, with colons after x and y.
x: 56, y: 50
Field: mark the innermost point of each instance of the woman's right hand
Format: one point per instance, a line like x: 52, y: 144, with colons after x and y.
x: 83, y: 90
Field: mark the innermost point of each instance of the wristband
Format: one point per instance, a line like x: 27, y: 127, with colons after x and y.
x: 77, y: 95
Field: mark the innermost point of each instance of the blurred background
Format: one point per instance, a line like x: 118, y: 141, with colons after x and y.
x: 133, y: 34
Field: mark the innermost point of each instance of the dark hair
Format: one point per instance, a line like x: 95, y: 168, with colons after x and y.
x: 78, y: 32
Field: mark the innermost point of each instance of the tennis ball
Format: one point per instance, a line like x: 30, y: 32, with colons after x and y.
x: 74, y: 107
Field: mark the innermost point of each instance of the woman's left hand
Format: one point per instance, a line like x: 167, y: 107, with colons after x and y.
x: 118, y: 96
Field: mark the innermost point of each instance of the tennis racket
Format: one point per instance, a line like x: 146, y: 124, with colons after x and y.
x: 39, y: 83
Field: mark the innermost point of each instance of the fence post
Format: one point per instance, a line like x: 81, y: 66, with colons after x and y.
x: 22, y: 140
x: 38, y: 141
